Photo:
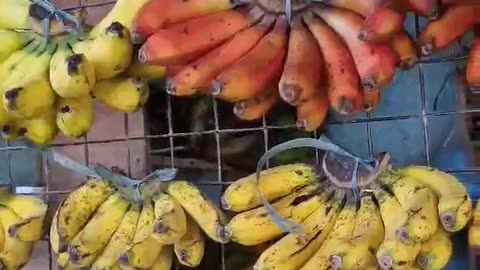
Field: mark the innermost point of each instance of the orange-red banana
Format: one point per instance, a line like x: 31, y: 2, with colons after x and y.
x: 473, y: 63
x: 197, y: 76
x: 342, y: 79
x: 255, y: 108
x: 312, y: 113
x: 453, y: 23
x: 303, y: 70
x: 155, y: 14
x: 403, y: 45
x: 375, y: 63
x: 251, y: 74
x: 426, y: 8
x: 184, y: 42
x: 383, y: 18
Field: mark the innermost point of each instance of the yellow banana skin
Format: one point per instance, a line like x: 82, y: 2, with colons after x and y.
x: 454, y: 205
x: 420, y: 204
x: 164, y: 260
x: 54, y: 236
x: 474, y: 229
x: 16, y: 58
x: 30, y: 100
x: 203, y: 211
x: 292, y: 251
x: 94, y: 237
x: 17, y: 15
x: 141, y: 255
x: 170, y: 220
x: 190, y: 249
x: 77, y: 209
x: 75, y: 116
x: 122, y: 94
x: 341, y: 231
x: 255, y: 226
x: 5, y: 117
x: 71, y: 75
x: 394, y: 253
x: 144, y: 71
x: 120, y: 240
x: 436, y: 251
x: 110, y: 52
x: 274, y: 183
x: 15, y: 253
x: 145, y: 222
x: 12, y: 41
x: 41, y: 130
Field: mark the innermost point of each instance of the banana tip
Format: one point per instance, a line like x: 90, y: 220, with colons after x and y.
x: 12, y: 94
x: 225, y: 205
x: 159, y: 227
x: 302, y: 123
x: 289, y: 93
x: 385, y: 262
x: 363, y: 35
x: 239, y: 108
x: 136, y: 38
x: 216, y: 87
x: 402, y: 234
x: 448, y: 221
x: 369, y: 84
x: 73, y: 255
x: 335, y: 261
x: 422, y: 261
x: 142, y: 55
x: 123, y: 259
x: 346, y: 106
x: 223, y: 234
x: 170, y: 87
x: 407, y: 64
x: 427, y: 48
x: 12, y: 231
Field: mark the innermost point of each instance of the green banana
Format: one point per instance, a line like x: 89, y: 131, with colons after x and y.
x: 75, y: 116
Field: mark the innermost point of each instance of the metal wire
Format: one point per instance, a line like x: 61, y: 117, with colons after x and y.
x: 265, y: 128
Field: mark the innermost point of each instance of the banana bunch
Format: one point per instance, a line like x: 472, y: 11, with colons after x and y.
x: 98, y: 227
x: 402, y: 220
x: 47, y: 82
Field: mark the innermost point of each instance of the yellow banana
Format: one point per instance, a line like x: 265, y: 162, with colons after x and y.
x: 255, y: 226
x: 474, y: 229
x: 14, y: 14
x: 122, y: 94
x: 341, y: 232
x: 71, y: 75
x: 75, y: 116
x: 15, y: 59
x: 170, y: 220
x: 203, y: 211
x: 144, y: 71
x: 436, y: 251
x: 41, y: 130
x: 120, y: 241
x: 164, y: 260
x: 30, y: 100
x: 394, y: 253
x: 123, y: 12
x: 12, y: 41
x: 454, y: 205
x: 274, y: 183
x: 5, y: 118
x: 110, y: 52
x: 190, y: 249
x: 145, y: 222
x: 77, y: 209
x: 141, y: 255
x: 15, y: 253
x: 62, y: 260
x: 54, y: 236
x: 292, y: 251
x: 419, y: 203
x: 87, y: 245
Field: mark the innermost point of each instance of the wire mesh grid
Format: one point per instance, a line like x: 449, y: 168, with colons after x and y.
x: 54, y: 191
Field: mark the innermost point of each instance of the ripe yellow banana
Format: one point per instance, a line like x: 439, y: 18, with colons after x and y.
x: 15, y: 14
x: 53, y: 234
x: 274, y: 183
x: 394, y: 253
x: 77, y: 208
x: 122, y: 94
x: 454, y: 205
x: 15, y: 59
x: 170, y: 220
x: 123, y: 12
x: 202, y: 210
x: 15, y: 253
x: 436, y: 251
x: 474, y: 229
x: 71, y: 75
x: 419, y: 203
x: 75, y: 116
x: 110, y: 52
x: 292, y: 251
x: 164, y: 260
x: 141, y: 255
x: 144, y: 71
x: 341, y: 232
x: 255, y: 226
x: 5, y: 117
x: 87, y: 245
x: 30, y: 100
x: 190, y: 249
x: 41, y: 130
x: 120, y: 241
x: 145, y: 222
x: 12, y: 41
